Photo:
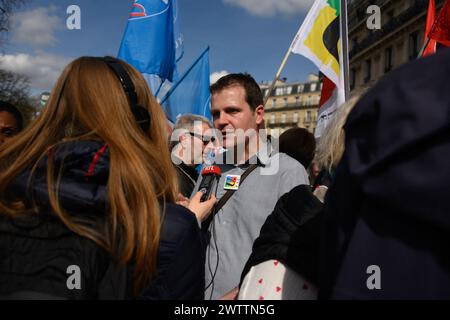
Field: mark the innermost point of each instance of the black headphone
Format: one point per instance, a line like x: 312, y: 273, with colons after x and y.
x: 140, y: 113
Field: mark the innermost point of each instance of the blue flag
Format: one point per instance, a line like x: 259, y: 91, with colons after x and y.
x: 191, y: 93
x: 150, y: 43
x: 179, y: 39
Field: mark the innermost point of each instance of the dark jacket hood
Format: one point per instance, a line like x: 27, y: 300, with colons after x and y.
x: 83, y: 187
x: 388, y: 204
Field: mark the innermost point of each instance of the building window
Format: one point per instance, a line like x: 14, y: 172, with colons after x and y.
x: 274, y: 103
x: 283, y: 118
x: 316, y: 100
x: 413, y: 49
x: 300, y: 88
x: 360, y: 13
x: 390, y: 15
x: 308, y: 116
x: 352, y: 78
x: 266, y: 92
x: 295, y: 117
x: 388, y: 59
x: 313, y: 87
x: 272, y: 118
x: 288, y: 90
x: 367, y: 70
x: 279, y: 91
x: 285, y: 102
x: 354, y: 43
x: 309, y: 101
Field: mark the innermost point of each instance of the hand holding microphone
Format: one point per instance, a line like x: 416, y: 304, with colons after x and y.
x: 203, y: 209
x: 210, y: 181
x: 204, y: 200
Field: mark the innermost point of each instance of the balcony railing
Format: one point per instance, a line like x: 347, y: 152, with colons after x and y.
x: 290, y: 122
x: 279, y: 123
x: 293, y: 105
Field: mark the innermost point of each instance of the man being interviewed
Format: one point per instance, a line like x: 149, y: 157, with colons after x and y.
x: 238, y: 115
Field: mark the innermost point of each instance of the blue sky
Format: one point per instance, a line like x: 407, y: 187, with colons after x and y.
x: 244, y: 35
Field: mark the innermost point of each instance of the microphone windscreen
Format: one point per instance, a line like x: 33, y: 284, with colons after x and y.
x: 211, y: 170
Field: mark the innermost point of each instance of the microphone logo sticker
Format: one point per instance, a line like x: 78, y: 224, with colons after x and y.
x: 232, y: 182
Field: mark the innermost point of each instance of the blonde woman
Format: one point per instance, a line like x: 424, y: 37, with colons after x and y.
x: 330, y: 146
x: 87, y: 193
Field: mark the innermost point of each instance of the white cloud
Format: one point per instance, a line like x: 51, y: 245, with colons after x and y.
x: 272, y: 7
x: 217, y: 75
x: 36, y: 27
x: 43, y: 69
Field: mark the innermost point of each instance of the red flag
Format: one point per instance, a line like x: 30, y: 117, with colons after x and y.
x: 441, y: 29
x: 329, y: 102
x: 431, y: 46
x: 328, y: 88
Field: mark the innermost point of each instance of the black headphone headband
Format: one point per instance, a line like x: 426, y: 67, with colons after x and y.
x: 140, y: 113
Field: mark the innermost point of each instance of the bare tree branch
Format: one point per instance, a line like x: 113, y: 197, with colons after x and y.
x: 7, y: 7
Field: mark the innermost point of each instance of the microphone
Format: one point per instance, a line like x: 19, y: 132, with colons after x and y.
x: 210, y: 181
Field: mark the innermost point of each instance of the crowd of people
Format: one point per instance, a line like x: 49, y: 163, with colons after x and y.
x: 99, y: 200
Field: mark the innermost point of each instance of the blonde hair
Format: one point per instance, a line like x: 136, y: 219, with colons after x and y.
x: 89, y: 103
x: 331, y: 144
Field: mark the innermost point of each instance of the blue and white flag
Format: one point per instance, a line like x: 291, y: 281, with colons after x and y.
x: 149, y: 42
x: 191, y: 93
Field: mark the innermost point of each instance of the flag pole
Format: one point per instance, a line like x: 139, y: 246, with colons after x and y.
x: 427, y: 42
x: 424, y: 47
x: 277, y: 76
x: 344, y: 40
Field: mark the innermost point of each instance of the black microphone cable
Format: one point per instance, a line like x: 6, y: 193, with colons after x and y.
x: 211, y: 272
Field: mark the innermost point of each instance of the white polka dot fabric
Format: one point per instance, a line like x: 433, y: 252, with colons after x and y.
x: 272, y: 280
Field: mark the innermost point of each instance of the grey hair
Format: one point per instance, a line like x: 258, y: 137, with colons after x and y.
x: 187, y: 121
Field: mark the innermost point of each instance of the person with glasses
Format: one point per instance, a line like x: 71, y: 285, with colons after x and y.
x: 11, y: 121
x: 205, y: 139
x: 191, y: 139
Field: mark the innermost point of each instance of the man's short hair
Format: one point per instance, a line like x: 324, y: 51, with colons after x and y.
x: 7, y: 107
x: 187, y: 121
x: 253, y: 94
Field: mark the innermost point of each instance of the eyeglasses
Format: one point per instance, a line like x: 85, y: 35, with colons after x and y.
x: 205, y: 139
